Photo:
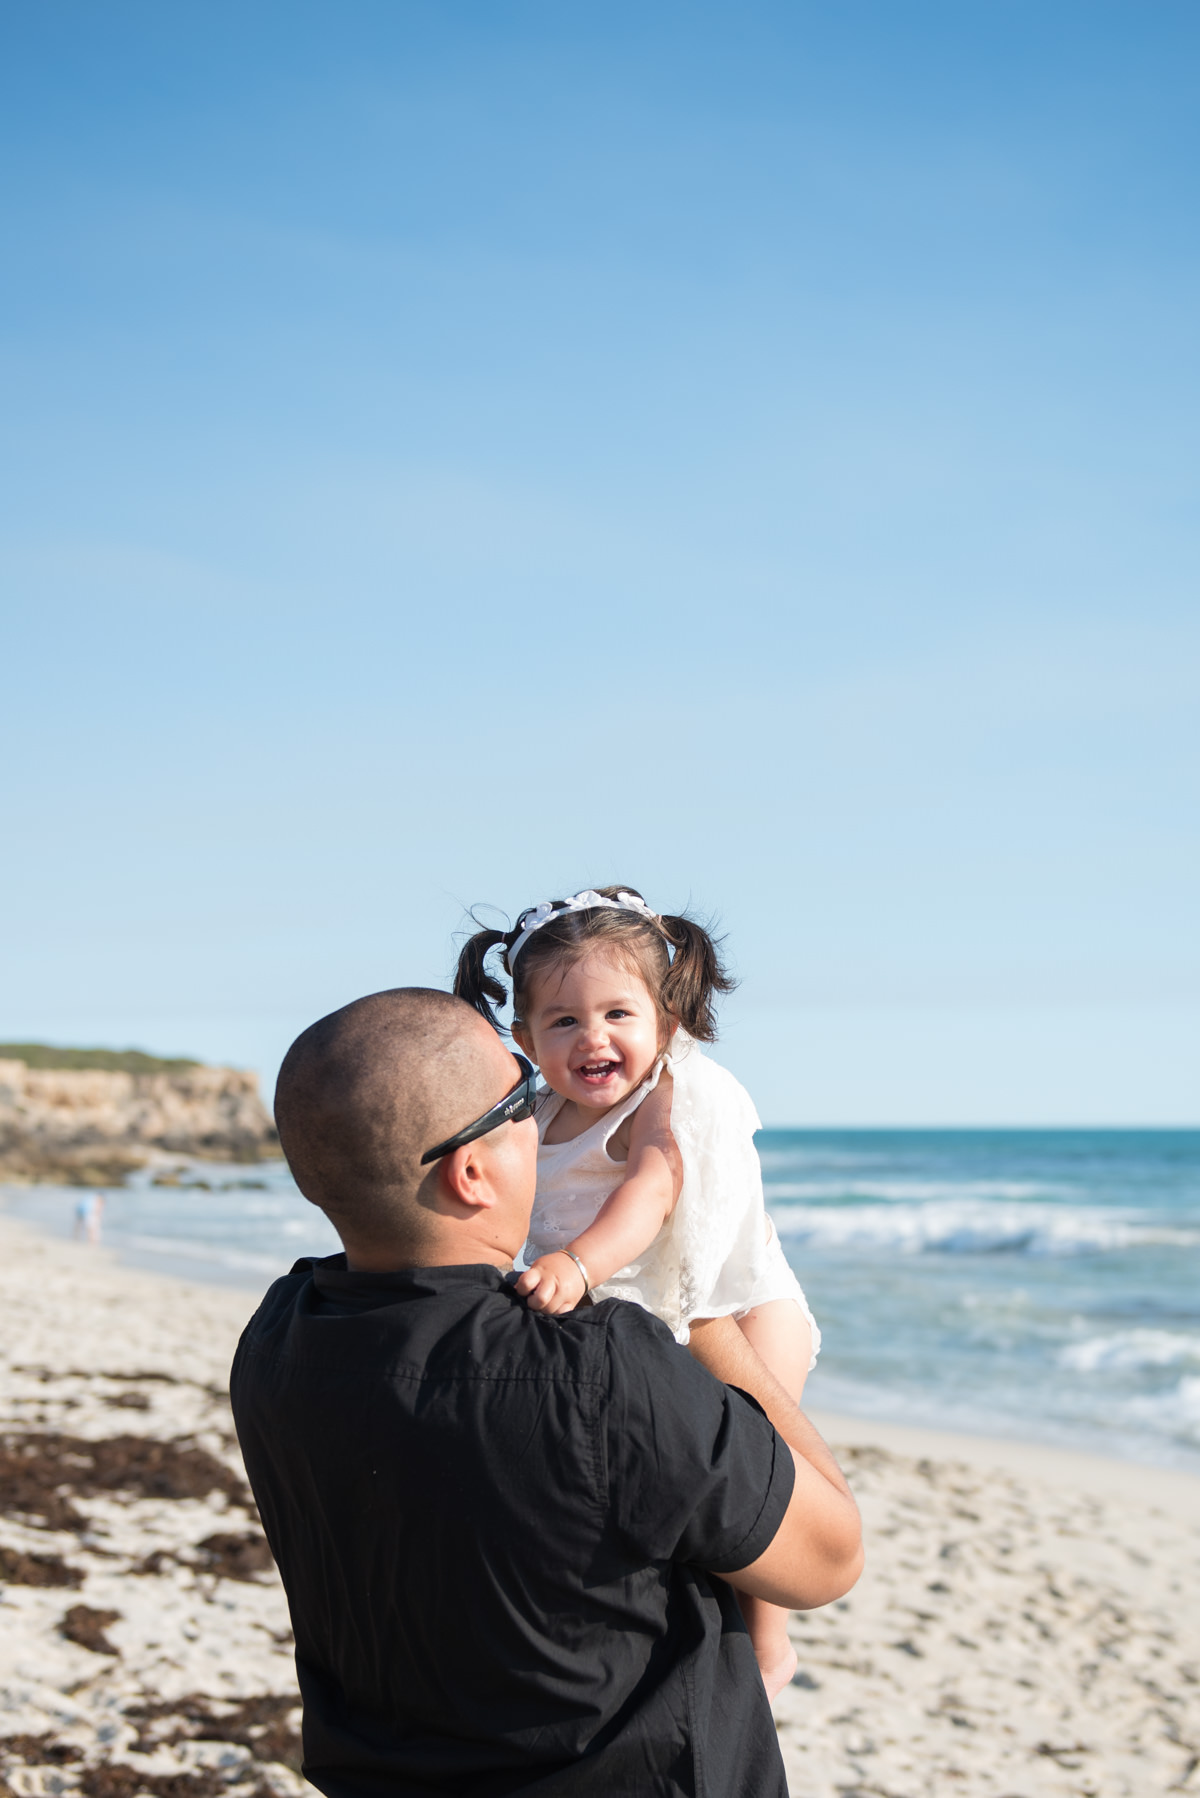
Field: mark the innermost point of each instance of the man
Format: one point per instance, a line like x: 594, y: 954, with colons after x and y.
x: 510, y: 1542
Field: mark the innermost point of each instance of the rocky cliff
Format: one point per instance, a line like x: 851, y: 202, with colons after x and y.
x: 91, y: 1126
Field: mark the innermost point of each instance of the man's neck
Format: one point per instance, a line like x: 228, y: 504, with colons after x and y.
x: 398, y: 1258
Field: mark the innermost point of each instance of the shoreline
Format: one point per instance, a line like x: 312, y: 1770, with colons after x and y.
x: 1168, y: 1489
x: 1107, y: 1475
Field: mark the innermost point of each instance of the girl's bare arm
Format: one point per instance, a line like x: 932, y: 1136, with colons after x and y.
x: 628, y: 1221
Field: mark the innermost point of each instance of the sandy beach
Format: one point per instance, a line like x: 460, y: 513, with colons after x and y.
x: 1029, y: 1622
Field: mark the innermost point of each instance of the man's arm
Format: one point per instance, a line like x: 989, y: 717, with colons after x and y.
x: 817, y: 1551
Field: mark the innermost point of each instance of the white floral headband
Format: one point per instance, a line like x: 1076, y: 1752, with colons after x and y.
x: 589, y: 900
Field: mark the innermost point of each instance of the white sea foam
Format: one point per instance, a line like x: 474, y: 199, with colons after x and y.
x: 906, y: 1191
x: 216, y: 1255
x: 1174, y: 1413
x: 1126, y: 1350
x: 976, y: 1226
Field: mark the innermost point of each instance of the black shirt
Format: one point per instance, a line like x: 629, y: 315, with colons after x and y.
x: 493, y: 1528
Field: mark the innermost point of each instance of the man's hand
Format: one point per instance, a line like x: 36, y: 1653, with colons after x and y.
x: 553, y: 1284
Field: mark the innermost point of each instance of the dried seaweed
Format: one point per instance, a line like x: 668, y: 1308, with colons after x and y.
x: 227, y: 1555
x: 241, y: 1557
x: 86, y: 1626
x: 113, y: 1779
x: 260, y: 1724
x: 20, y: 1569
x: 40, y: 1473
x: 39, y: 1751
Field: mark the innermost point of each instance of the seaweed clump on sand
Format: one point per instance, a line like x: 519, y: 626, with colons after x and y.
x: 17, y: 1568
x: 39, y: 1751
x: 262, y: 1724
x: 41, y: 1475
x: 114, y: 1779
x: 227, y: 1555
x: 234, y: 1556
x: 85, y: 1626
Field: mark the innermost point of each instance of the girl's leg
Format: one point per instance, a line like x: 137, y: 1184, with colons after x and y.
x: 779, y: 1333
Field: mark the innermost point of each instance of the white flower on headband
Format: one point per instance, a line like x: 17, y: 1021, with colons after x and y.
x: 589, y: 900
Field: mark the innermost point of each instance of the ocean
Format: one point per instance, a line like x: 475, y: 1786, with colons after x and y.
x: 1043, y: 1285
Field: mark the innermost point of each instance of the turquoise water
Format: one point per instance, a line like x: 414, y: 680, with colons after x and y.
x: 1040, y: 1284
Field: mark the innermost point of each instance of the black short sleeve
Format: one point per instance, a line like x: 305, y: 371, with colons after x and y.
x: 695, y: 1471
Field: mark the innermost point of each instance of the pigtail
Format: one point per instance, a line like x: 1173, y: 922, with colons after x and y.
x: 696, y: 976
x: 472, y: 981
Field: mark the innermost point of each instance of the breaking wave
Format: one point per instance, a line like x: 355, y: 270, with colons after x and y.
x: 1127, y: 1351
x: 1174, y: 1413
x: 900, y: 1191
x: 974, y: 1226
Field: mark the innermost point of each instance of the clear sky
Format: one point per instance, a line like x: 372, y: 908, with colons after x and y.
x: 455, y: 454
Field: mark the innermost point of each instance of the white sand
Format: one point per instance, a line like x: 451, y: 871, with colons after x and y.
x: 1029, y: 1621
x: 69, y: 1322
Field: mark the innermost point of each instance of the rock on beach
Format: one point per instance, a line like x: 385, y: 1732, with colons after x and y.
x: 93, y: 1126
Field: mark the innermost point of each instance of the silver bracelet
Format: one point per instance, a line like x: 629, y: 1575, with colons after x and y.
x: 587, y: 1284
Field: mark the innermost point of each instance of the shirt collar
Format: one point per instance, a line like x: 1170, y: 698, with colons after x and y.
x: 333, y: 1279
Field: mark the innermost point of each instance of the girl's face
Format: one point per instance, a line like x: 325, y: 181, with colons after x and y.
x: 592, y: 1029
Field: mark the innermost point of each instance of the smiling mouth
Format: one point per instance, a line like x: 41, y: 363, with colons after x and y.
x: 598, y: 1070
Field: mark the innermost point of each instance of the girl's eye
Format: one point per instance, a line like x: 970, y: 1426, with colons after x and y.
x: 562, y: 1023
x: 616, y: 1012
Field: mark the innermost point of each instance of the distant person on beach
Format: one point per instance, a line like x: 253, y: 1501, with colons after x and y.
x: 510, y: 1539
x: 89, y: 1217
x: 648, y: 1185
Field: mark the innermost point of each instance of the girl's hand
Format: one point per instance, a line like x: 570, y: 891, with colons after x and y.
x: 553, y: 1284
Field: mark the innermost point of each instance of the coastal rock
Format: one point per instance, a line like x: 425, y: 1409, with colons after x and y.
x: 92, y: 1127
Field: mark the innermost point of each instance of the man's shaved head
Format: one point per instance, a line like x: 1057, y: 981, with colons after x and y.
x: 364, y: 1092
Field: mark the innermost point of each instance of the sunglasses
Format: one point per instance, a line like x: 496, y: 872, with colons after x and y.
x: 513, y: 1108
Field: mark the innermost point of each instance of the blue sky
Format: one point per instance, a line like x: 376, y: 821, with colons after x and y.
x: 455, y: 455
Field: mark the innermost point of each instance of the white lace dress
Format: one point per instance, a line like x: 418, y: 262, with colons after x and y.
x: 718, y: 1254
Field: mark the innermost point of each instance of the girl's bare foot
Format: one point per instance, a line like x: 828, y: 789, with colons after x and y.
x: 767, y: 1625
x: 776, y: 1663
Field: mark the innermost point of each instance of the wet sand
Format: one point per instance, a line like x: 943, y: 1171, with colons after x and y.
x: 1029, y: 1622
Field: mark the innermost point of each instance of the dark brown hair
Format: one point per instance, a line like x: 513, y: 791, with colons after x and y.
x: 683, y: 984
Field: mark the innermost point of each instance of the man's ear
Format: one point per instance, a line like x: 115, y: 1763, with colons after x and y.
x: 522, y: 1038
x: 463, y: 1178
